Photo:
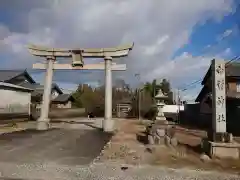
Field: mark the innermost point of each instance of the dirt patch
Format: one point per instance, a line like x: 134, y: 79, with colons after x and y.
x: 125, y: 148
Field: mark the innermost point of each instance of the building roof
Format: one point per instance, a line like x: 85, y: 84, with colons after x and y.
x: 40, y: 88
x: 29, y: 85
x: 15, y: 87
x: 57, y: 88
x: 62, y: 98
x: 203, y: 91
x: 7, y: 75
x: 232, y: 70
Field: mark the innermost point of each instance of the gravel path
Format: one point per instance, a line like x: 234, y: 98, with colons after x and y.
x: 104, y: 172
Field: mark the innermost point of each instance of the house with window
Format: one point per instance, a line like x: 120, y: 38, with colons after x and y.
x: 37, y: 94
x: 15, y: 101
x: 23, y: 78
x: 204, y: 98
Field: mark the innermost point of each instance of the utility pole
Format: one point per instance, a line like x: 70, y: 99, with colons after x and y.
x: 179, y: 101
x: 139, y: 104
x: 139, y: 97
x: 178, y: 96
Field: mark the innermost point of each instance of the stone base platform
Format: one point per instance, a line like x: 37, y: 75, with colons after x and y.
x: 99, y: 123
x: 222, y: 150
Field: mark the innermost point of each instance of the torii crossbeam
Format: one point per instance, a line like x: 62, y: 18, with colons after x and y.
x: 77, y: 56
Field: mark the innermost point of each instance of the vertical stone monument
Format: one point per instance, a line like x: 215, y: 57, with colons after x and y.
x: 219, y: 143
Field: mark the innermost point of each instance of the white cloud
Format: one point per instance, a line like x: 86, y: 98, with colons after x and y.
x: 226, y: 53
x: 225, y: 34
x: 158, y: 28
x: 157, y: 47
x: 182, y: 67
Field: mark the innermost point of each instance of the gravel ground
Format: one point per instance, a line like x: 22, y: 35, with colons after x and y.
x: 60, y: 146
x: 105, y: 171
x: 41, y: 160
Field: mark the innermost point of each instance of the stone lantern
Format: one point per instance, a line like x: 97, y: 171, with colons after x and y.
x: 157, y: 131
x: 160, y: 98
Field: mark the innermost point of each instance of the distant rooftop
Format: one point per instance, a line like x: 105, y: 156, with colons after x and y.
x: 6, y: 75
x: 16, y: 87
x: 62, y: 98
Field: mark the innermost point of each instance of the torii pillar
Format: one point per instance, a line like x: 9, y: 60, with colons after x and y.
x: 43, y: 121
x: 77, y: 55
x: 108, y: 123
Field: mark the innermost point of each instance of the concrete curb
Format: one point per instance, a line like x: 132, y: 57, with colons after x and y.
x: 14, y: 130
x: 95, y: 161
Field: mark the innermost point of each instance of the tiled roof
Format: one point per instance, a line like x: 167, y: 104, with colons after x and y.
x: 13, y: 86
x: 6, y: 75
x: 62, y: 98
x: 39, y: 89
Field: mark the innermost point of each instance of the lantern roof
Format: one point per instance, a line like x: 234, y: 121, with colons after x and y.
x: 160, y: 95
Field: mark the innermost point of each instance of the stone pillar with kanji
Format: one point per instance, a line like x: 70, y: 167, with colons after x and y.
x: 219, y: 142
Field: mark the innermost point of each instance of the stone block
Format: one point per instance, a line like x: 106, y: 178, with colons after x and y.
x: 151, y: 140
x: 230, y: 138
x: 160, y: 118
x: 224, y: 150
x: 167, y: 140
x: 204, y: 157
x: 99, y: 123
x: 160, y: 132
x: 108, y: 125
x: 174, y: 141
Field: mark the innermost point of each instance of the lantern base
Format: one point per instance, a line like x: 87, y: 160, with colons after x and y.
x: 161, y: 118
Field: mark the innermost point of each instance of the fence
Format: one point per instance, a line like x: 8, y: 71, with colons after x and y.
x: 14, y: 108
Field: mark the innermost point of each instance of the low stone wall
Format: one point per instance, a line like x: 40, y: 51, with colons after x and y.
x: 61, y: 113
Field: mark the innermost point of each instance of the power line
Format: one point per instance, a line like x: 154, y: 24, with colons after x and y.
x: 232, y: 60
x: 212, y: 47
x: 236, y: 58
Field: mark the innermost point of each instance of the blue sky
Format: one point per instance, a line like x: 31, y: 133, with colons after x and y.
x: 208, y: 40
x: 174, y: 40
x: 208, y: 33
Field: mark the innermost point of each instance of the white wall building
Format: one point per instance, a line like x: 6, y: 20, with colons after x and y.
x: 14, y: 99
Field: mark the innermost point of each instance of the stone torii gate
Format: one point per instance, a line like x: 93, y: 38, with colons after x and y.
x: 78, y: 64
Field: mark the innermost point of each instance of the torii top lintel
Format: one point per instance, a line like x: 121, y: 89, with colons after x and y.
x: 88, y: 53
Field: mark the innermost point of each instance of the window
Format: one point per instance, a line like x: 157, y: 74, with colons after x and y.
x: 238, y: 86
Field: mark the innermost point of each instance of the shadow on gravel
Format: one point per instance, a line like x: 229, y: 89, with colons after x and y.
x: 196, y: 148
x: 90, y: 124
x: 142, y: 137
x: 61, y: 146
x: 93, y: 142
x: 22, y: 134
